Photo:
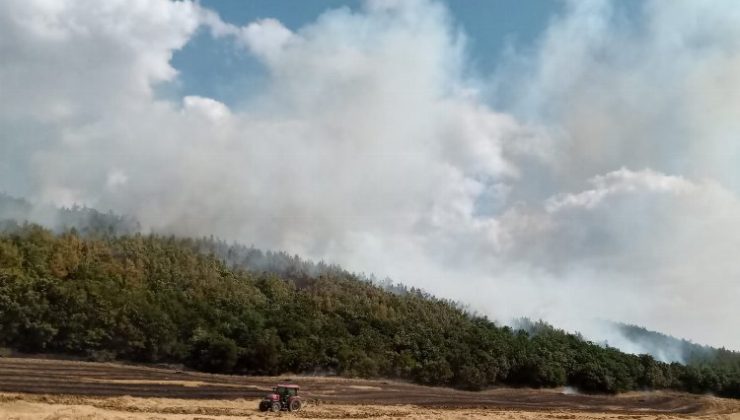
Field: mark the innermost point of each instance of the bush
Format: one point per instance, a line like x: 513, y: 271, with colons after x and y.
x: 101, y: 356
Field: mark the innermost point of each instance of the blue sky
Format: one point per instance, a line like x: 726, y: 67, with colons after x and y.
x: 218, y: 69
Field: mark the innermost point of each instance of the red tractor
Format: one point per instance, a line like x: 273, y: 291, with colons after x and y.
x: 283, y: 397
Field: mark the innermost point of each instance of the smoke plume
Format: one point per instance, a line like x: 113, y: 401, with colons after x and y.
x: 593, y: 176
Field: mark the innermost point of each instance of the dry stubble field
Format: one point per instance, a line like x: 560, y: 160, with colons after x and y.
x: 58, y: 389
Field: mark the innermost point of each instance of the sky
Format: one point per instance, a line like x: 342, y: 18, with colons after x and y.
x: 215, y: 69
x: 569, y: 161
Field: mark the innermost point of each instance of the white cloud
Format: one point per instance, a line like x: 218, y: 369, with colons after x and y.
x: 72, y: 60
x: 207, y: 107
x: 265, y: 37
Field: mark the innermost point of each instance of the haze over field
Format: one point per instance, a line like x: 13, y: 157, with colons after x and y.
x: 590, y: 175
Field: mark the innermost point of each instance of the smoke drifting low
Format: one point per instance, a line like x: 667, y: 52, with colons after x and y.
x: 592, y: 177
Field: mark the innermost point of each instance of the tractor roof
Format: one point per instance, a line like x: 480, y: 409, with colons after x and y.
x: 288, y: 386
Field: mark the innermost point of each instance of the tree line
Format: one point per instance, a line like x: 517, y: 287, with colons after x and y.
x: 150, y: 298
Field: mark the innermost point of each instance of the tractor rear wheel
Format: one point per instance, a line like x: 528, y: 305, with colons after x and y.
x: 276, y: 407
x: 295, y: 405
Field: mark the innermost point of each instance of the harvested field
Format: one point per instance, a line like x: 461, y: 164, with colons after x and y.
x: 59, y: 389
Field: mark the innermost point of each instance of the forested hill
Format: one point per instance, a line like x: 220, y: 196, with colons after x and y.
x: 85, y: 220
x: 161, y: 299
x: 666, y: 346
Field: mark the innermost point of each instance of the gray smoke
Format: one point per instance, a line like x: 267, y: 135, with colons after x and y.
x: 601, y: 185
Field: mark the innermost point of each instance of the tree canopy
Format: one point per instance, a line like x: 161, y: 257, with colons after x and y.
x: 231, y: 309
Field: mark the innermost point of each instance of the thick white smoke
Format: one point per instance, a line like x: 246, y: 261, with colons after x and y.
x: 601, y: 186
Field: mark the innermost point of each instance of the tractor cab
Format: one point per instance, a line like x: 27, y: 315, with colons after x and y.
x: 286, y: 391
x: 283, y: 397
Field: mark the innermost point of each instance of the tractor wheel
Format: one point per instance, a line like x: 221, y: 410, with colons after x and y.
x: 264, y: 406
x: 295, y: 405
x: 276, y: 407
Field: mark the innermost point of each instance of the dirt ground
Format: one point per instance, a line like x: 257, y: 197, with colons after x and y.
x: 57, y: 389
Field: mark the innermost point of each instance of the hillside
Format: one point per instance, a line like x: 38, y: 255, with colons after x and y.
x: 149, y: 298
x: 667, y: 347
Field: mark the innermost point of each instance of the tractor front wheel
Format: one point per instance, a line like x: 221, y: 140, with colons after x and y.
x: 276, y: 407
x: 295, y: 405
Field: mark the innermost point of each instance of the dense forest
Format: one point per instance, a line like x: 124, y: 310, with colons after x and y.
x: 222, y: 308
